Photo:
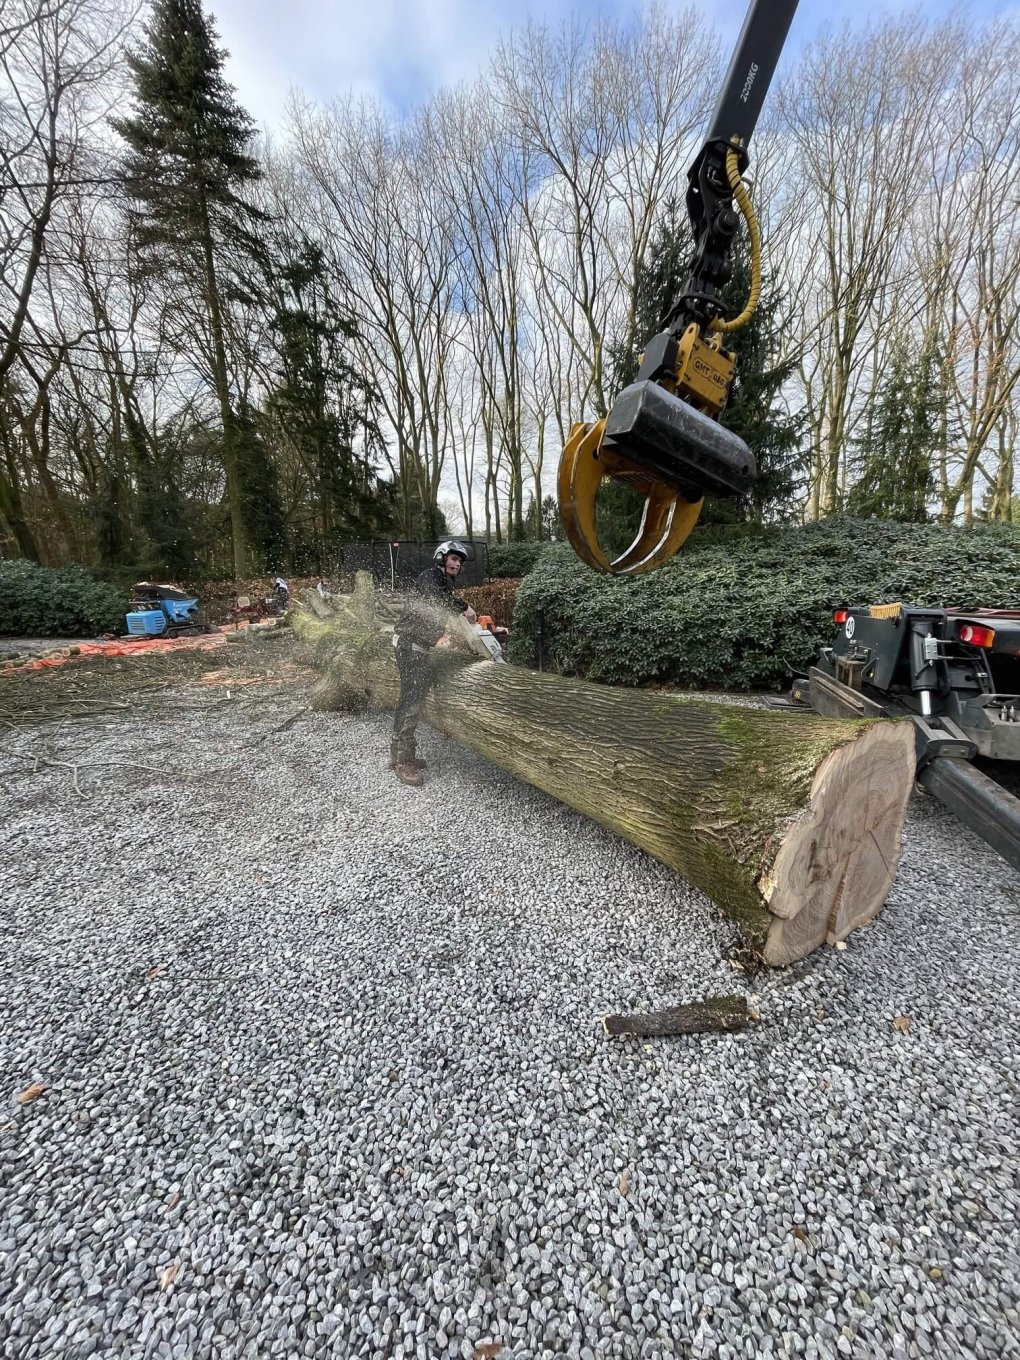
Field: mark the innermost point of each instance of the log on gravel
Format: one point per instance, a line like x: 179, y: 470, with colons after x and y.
x: 715, y: 1015
x: 791, y: 823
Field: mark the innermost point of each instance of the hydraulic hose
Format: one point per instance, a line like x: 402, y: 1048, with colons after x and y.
x: 746, y: 207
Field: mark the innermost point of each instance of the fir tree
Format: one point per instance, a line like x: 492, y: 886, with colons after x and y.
x: 112, y: 508
x: 542, y: 521
x: 166, y: 511
x: 260, y: 493
x: 902, y: 432
x: 755, y: 410
x: 326, y: 406
x: 188, y: 157
x: 659, y: 279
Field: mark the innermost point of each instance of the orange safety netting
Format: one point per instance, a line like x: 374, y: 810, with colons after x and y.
x: 119, y: 647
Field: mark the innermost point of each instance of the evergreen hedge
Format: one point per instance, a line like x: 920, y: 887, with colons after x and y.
x: 57, y: 602
x: 749, y: 611
x: 515, y: 559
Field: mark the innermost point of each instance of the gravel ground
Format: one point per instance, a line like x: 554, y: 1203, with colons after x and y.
x: 324, y: 1073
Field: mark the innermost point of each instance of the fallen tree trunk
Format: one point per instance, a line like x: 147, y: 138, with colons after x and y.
x: 790, y: 823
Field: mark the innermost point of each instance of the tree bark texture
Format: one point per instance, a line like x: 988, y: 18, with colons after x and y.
x: 790, y: 823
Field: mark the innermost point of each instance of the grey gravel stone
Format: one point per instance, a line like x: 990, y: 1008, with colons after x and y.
x: 332, y: 1047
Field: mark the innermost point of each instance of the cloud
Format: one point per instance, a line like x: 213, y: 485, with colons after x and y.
x: 401, y: 52
x: 395, y: 50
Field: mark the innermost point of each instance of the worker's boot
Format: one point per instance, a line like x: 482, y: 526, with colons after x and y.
x: 395, y: 760
x: 409, y: 774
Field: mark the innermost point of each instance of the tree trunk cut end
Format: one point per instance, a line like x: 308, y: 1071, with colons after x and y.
x: 838, y: 860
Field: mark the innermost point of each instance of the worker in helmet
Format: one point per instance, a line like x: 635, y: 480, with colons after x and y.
x: 422, y: 623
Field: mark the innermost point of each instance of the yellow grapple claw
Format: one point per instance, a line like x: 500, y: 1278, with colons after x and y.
x: 666, y: 521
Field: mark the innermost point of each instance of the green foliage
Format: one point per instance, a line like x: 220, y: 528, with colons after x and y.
x: 755, y: 410
x: 618, y: 511
x: 56, y: 602
x: 188, y: 140
x: 746, y: 610
x: 408, y: 508
x: 260, y: 494
x: 515, y: 559
x: 186, y: 165
x: 168, y: 519
x: 542, y: 521
x: 111, y: 513
x: 323, y: 407
x: 903, y: 430
x: 659, y: 280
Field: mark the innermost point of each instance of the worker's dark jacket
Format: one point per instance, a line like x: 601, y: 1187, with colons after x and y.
x: 422, y: 622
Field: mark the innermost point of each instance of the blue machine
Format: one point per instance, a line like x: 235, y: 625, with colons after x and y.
x: 162, y: 611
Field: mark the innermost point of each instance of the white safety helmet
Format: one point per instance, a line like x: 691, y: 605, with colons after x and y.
x: 451, y: 545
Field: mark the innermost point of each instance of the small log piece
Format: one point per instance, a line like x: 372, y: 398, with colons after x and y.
x: 716, y: 1014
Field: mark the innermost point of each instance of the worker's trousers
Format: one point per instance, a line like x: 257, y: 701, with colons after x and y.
x: 413, y: 665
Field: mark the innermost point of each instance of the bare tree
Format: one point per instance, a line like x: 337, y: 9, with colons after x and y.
x: 55, y: 62
x: 967, y: 246
x: 607, y: 122
x: 378, y: 207
x: 479, y: 162
x: 855, y: 114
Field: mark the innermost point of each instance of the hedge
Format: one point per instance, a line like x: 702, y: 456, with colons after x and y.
x: 57, y: 602
x: 515, y: 559
x: 495, y: 599
x: 751, y: 612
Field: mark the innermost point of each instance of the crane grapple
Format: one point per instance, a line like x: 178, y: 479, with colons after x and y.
x: 662, y: 436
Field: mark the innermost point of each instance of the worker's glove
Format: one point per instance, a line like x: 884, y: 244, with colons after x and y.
x: 470, y: 615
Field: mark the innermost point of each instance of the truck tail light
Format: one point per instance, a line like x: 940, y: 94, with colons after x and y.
x: 840, y: 615
x: 975, y: 634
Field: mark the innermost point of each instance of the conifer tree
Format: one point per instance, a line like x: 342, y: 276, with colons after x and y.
x: 187, y: 162
x: 754, y: 410
x: 167, y: 513
x: 326, y: 405
x: 901, y: 434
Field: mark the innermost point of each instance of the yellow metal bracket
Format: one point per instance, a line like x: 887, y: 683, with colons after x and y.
x: 704, y: 371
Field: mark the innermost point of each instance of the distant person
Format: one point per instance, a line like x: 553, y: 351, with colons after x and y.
x: 422, y: 623
x: 281, y: 594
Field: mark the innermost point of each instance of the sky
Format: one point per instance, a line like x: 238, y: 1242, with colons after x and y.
x: 402, y: 51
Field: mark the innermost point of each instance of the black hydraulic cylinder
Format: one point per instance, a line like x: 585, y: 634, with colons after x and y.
x: 983, y: 805
x: 678, y: 444
x: 751, y: 69
x: 923, y: 672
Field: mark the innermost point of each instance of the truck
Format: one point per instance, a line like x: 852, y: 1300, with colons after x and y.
x: 955, y: 673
